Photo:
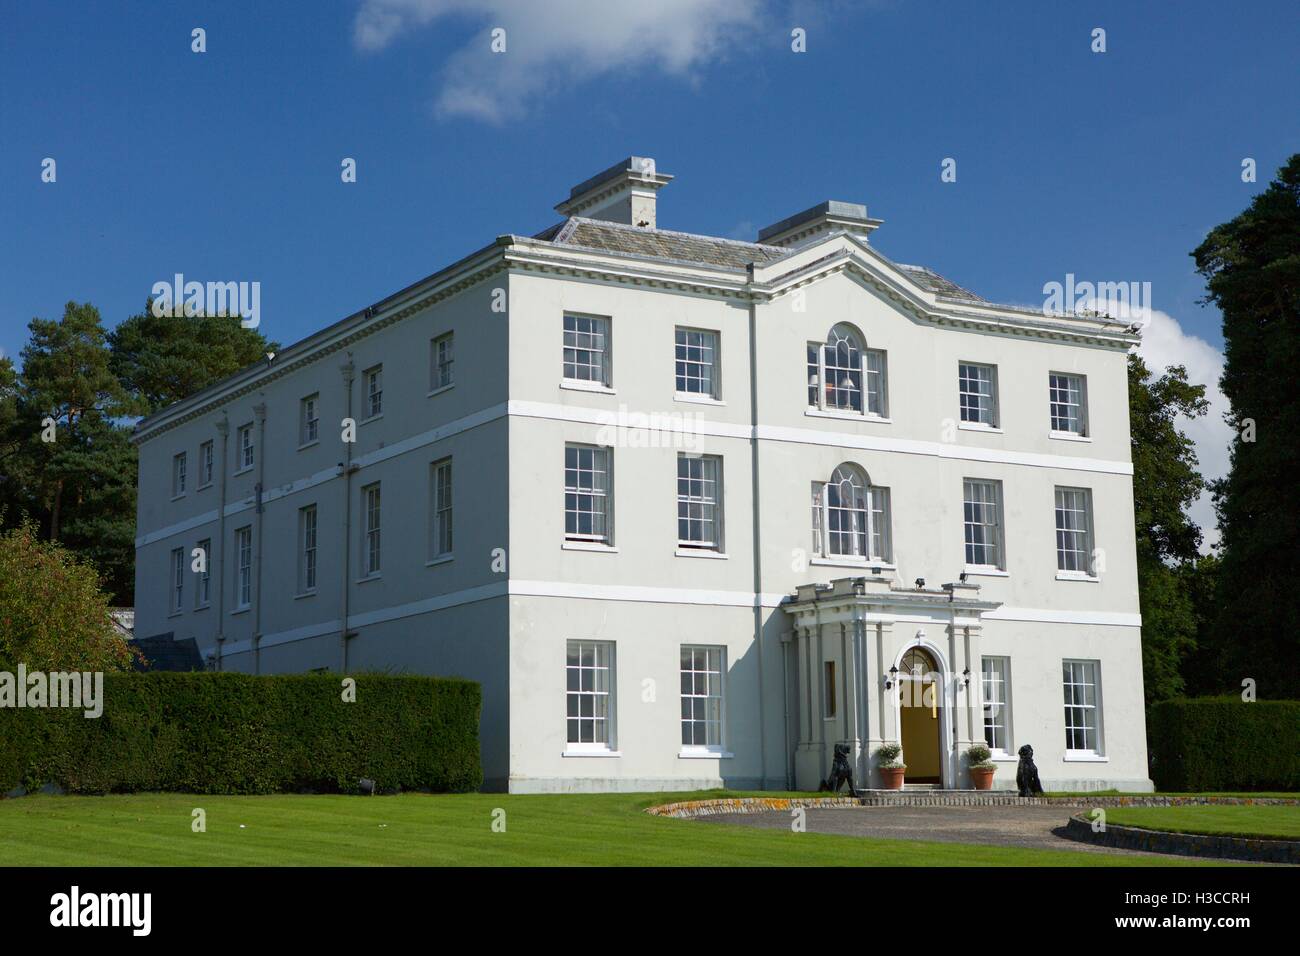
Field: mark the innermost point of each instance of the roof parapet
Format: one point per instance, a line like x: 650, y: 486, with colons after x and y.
x: 850, y: 217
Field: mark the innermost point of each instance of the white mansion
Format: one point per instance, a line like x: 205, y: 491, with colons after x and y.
x: 692, y: 510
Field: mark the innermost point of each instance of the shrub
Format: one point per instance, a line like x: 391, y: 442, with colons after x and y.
x: 980, y: 757
x: 887, y: 755
x: 235, y: 733
x: 1224, y: 743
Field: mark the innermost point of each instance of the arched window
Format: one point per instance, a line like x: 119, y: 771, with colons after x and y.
x: 845, y: 376
x: 850, y: 517
x: 917, y: 662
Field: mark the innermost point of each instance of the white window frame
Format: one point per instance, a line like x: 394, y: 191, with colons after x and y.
x: 244, y: 568
x: 308, y: 549
x: 1062, y: 395
x: 1068, y: 502
x: 178, y: 580
x: 690, y: 345
x: 984, y: 404
x: 442, y: 362
x: 876, y: 521
x: 179, y: 468
x: 207, y: 465
x: 702, y: 669
x: 1072, y: 669
x: 576, y: 690
x: 694, y: 504
x: 372, y: 524
x: 580, y: 341
x: 203, y: 586
x: 601, y: 455
x: 995, y: 692
x: 871, y: 368
x: 372, y: 380
x: 442, y: 524
x: 245, y: 448
x: 309, y: 420
x: 998, y: 525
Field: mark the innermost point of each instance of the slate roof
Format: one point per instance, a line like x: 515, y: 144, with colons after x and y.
x: 707, y: 250
x: 663, y: 244
x: 163, y: 652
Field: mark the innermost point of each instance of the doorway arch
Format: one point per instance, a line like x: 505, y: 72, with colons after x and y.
x: 921, y: 712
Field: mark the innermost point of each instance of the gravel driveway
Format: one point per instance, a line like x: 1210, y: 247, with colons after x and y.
x: 1030, y: 827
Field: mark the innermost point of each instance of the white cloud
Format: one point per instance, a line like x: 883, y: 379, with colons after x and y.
x: 1164, y: 343
x: 559, y: 43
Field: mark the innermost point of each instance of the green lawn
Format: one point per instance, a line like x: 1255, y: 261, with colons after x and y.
x: 1278, y: 823
x: 422, y: 829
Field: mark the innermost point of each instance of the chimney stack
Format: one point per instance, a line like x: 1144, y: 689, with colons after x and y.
x: 828, y: 216
x: 623, y: 193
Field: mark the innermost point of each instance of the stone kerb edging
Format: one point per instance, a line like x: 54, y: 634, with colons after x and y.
x: 966, y: 798
x: 1217, y: 846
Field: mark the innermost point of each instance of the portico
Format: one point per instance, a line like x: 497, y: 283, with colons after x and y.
x: 873, y: 663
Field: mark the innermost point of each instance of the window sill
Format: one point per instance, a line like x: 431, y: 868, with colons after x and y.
x: 1003, y: 757
x: 695, y: 399
x: 704, y: 755
x: 370, y: 577
x: 592, y: 753
x: 440, y: 559
x: 244, y: 470
x: 1081, y: 757
x: 851, y: 563
x: 1077, y: 576
x: 202, y: 607
x: 848, y: 416
x: 304, y: 594
x: 372, y: 418
x: 983, y: 571
x: 178, y: 497
x: 309, y: 444
x: 699, y: 553
x: 440, y: 389
x: 589, y: 546
x: 976, y: 427
x: 176, y: 614
x: 1069, y: 436
x: 576, y: 385
x: 204, y: 487
x: 241, y: 610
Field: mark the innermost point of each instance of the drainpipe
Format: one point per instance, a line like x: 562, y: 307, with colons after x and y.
x: 223, y: 429
x: 346, y: 467
x: 785, y: 692
x: 259, y: 410
x: 757, y: 531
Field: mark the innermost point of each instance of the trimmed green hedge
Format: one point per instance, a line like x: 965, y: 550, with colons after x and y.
x: 1223, y: 743
x: 235, y: 733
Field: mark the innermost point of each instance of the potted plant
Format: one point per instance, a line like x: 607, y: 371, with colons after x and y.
x: 891, y: 768
x: 981, y: 766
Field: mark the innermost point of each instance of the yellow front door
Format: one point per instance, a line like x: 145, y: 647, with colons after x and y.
x: 918, y: 719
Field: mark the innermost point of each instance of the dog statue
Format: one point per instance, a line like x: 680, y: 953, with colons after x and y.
x: 1027, y: 774
x: 841, y: 772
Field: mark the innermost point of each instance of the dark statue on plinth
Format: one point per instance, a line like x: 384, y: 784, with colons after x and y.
x: 841, y: 772
x: 1027, y: 774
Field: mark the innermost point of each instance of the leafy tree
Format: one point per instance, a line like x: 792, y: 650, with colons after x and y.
x: 160, y: 360
x: 53, y: 616
x: 1251, y: 265
x: 65, y: 379
x: 1165, y: 483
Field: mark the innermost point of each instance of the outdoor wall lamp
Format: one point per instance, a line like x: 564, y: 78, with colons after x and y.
x: 966, y: 676
x: 893, y: 676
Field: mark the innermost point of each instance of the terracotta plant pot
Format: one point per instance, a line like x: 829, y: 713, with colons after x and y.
x: 892, y: 779
x: 982, y: 777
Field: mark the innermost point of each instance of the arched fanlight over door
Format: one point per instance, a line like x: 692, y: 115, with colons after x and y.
x: 917, y: 662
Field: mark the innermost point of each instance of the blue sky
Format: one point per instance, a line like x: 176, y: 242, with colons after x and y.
x: 225, y: 165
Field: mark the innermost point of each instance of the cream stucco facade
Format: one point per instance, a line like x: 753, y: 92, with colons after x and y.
x: 526, y: 586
